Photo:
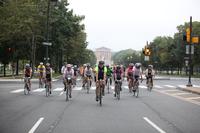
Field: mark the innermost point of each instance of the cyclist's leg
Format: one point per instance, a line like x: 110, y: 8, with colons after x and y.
x: 110, y: 80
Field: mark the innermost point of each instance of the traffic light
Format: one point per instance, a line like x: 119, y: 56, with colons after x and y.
x: 184, y: 36
x: 188, y: 34
x: 147, y: 52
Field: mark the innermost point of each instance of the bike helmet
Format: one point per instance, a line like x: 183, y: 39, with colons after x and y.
x: 69, y: 66
x: 48, y: 64
x: 150, y: 66
x: 101, y: 62
x: 88, y: 64
x: 131, y: 64
x: 41, y: 63
x: 137, y: 65
x: 118, y: 67
x: 27, y: 65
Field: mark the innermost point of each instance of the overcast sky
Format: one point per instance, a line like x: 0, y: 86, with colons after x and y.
x: 123, y: 24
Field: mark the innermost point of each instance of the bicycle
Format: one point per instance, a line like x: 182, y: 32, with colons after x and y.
x: 100, y: 85
x: 108, y: 84
x: 41, y: 82
x: 88, y: 84
x: 68, y: 88
x: 130, y: 85
x: 149, y: 84
x: 26, y: 85
x: 136, y: 88
x: 47, y: 86
x: 118, y: 88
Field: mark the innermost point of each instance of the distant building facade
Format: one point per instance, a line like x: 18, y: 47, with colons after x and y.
x: 104, y: 54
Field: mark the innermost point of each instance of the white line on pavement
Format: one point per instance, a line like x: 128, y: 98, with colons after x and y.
x: 170, y: 90
x: 181, y: 93
x: 17, y: 91
x: 77, y: 88
x: 58, y: 89
x: 39, y: 90
x: 36, y: 125
x: 154, y: 125
x: 61, y: 93
x: 142, y: 86
x: 157, y: 86
x: 196, y: 85
x: 182, y: 86
x: 193, y: 98
x: 170, y: 86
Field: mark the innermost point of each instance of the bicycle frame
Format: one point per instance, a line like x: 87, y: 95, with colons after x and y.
x: 26, y: 85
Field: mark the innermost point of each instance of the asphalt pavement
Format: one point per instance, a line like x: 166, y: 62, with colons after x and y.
x: 164, y: 110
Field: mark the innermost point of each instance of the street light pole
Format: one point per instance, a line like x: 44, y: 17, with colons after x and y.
x: 190, y: 54
x: 47, y: 34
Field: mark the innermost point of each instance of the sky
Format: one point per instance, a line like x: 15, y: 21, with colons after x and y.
x: 124, y: 24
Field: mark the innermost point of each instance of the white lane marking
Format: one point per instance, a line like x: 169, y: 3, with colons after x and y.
x: 193, y: 98
x: 17, y: 91
x: 159, y: 87
x: 93, y: 88
x: 154, y: 125
x: 182, y: 86
x: 61, y: 93
x: 36, y: 125
x: 142, y: 86
x: 125, y: 87
x: 39, y: 90
x: 171, y: 90
x: 58, y: 89
x: 196, y: 86
x: 170, y: 86
x: 181, y: 93
x: 77, y: 88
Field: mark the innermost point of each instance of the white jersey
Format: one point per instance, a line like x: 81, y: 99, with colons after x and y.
x: 66, y: 73
x: 87, y: 72
x: 137, y: 72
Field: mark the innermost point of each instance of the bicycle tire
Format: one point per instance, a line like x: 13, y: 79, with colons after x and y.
x: 67, y: 92
x: 100, y: 97
x: 47, y: 90
x: 118, y: 91
x: 88, y: 86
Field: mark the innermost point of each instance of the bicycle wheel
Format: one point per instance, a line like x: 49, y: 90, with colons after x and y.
x: 100, y: 97
x: 108, y: 85
x: 47, y: 90
x: 25, y: 89
x: 67, y: 93
x: 88, y: 86
x: 118, y: 91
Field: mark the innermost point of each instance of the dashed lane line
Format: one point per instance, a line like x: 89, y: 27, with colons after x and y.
x: 17, y: 91
x: 154, y: 125
x: 36, y: 125
x: 193, y: 98
x: 170, y: 86
x: 39, y: 90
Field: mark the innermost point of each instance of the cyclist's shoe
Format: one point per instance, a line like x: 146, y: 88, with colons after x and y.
x: 50, y: 92
x: 70, y: 95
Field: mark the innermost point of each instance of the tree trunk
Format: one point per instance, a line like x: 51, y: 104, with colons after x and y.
x: 17, y: 67
x: 4, y: 70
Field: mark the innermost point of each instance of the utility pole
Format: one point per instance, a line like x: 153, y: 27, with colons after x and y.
x: 190, y: 54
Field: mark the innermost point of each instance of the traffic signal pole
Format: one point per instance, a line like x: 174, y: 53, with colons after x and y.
x: 190, y: 55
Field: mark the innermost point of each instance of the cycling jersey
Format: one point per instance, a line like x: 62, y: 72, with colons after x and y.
x: 101, y: 72
x: 109, y: 72
x: 41, y: 68
x: 27, y: 72
x: 48, y: 73
x: 118, y: 73
x: 88, y: 72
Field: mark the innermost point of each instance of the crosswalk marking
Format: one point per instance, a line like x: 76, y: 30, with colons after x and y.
x: 170, y: 90
x: 39, y: 90
x: 196, y: 85
x: 181, y: 93
x: 142, y: 86
x: 182, y: 86
x: 193, y: 98
x: 17, y: 91
x: 159, y: 87
x: 58, y: 89
x: 170, y: 86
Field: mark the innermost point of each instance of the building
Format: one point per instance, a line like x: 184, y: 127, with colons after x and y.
x: 104, y: 54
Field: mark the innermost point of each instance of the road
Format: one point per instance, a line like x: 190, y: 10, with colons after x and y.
x: 164, y: 110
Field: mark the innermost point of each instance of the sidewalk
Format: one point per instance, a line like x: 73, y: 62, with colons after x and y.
x: 195, y: 90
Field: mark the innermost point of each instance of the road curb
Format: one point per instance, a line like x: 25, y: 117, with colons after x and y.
x: 189, y: 90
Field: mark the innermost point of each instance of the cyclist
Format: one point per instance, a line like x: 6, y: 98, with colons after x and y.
x: 41, y: 72
x: 118, y: 74
x: 130, y: 75
x: 83, y: 73
x: 68, y: 72
x: 48, y: 71
x: 101, y: 71
x: 88, y: 73
x: 28, y: 74
x: 109, y: 74
x: 149, y: 73
x: 137, y: 72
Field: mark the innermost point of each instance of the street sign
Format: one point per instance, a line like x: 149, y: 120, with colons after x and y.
x: 47, y: 43
x: 195, y: 40
x: 146, y: 58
